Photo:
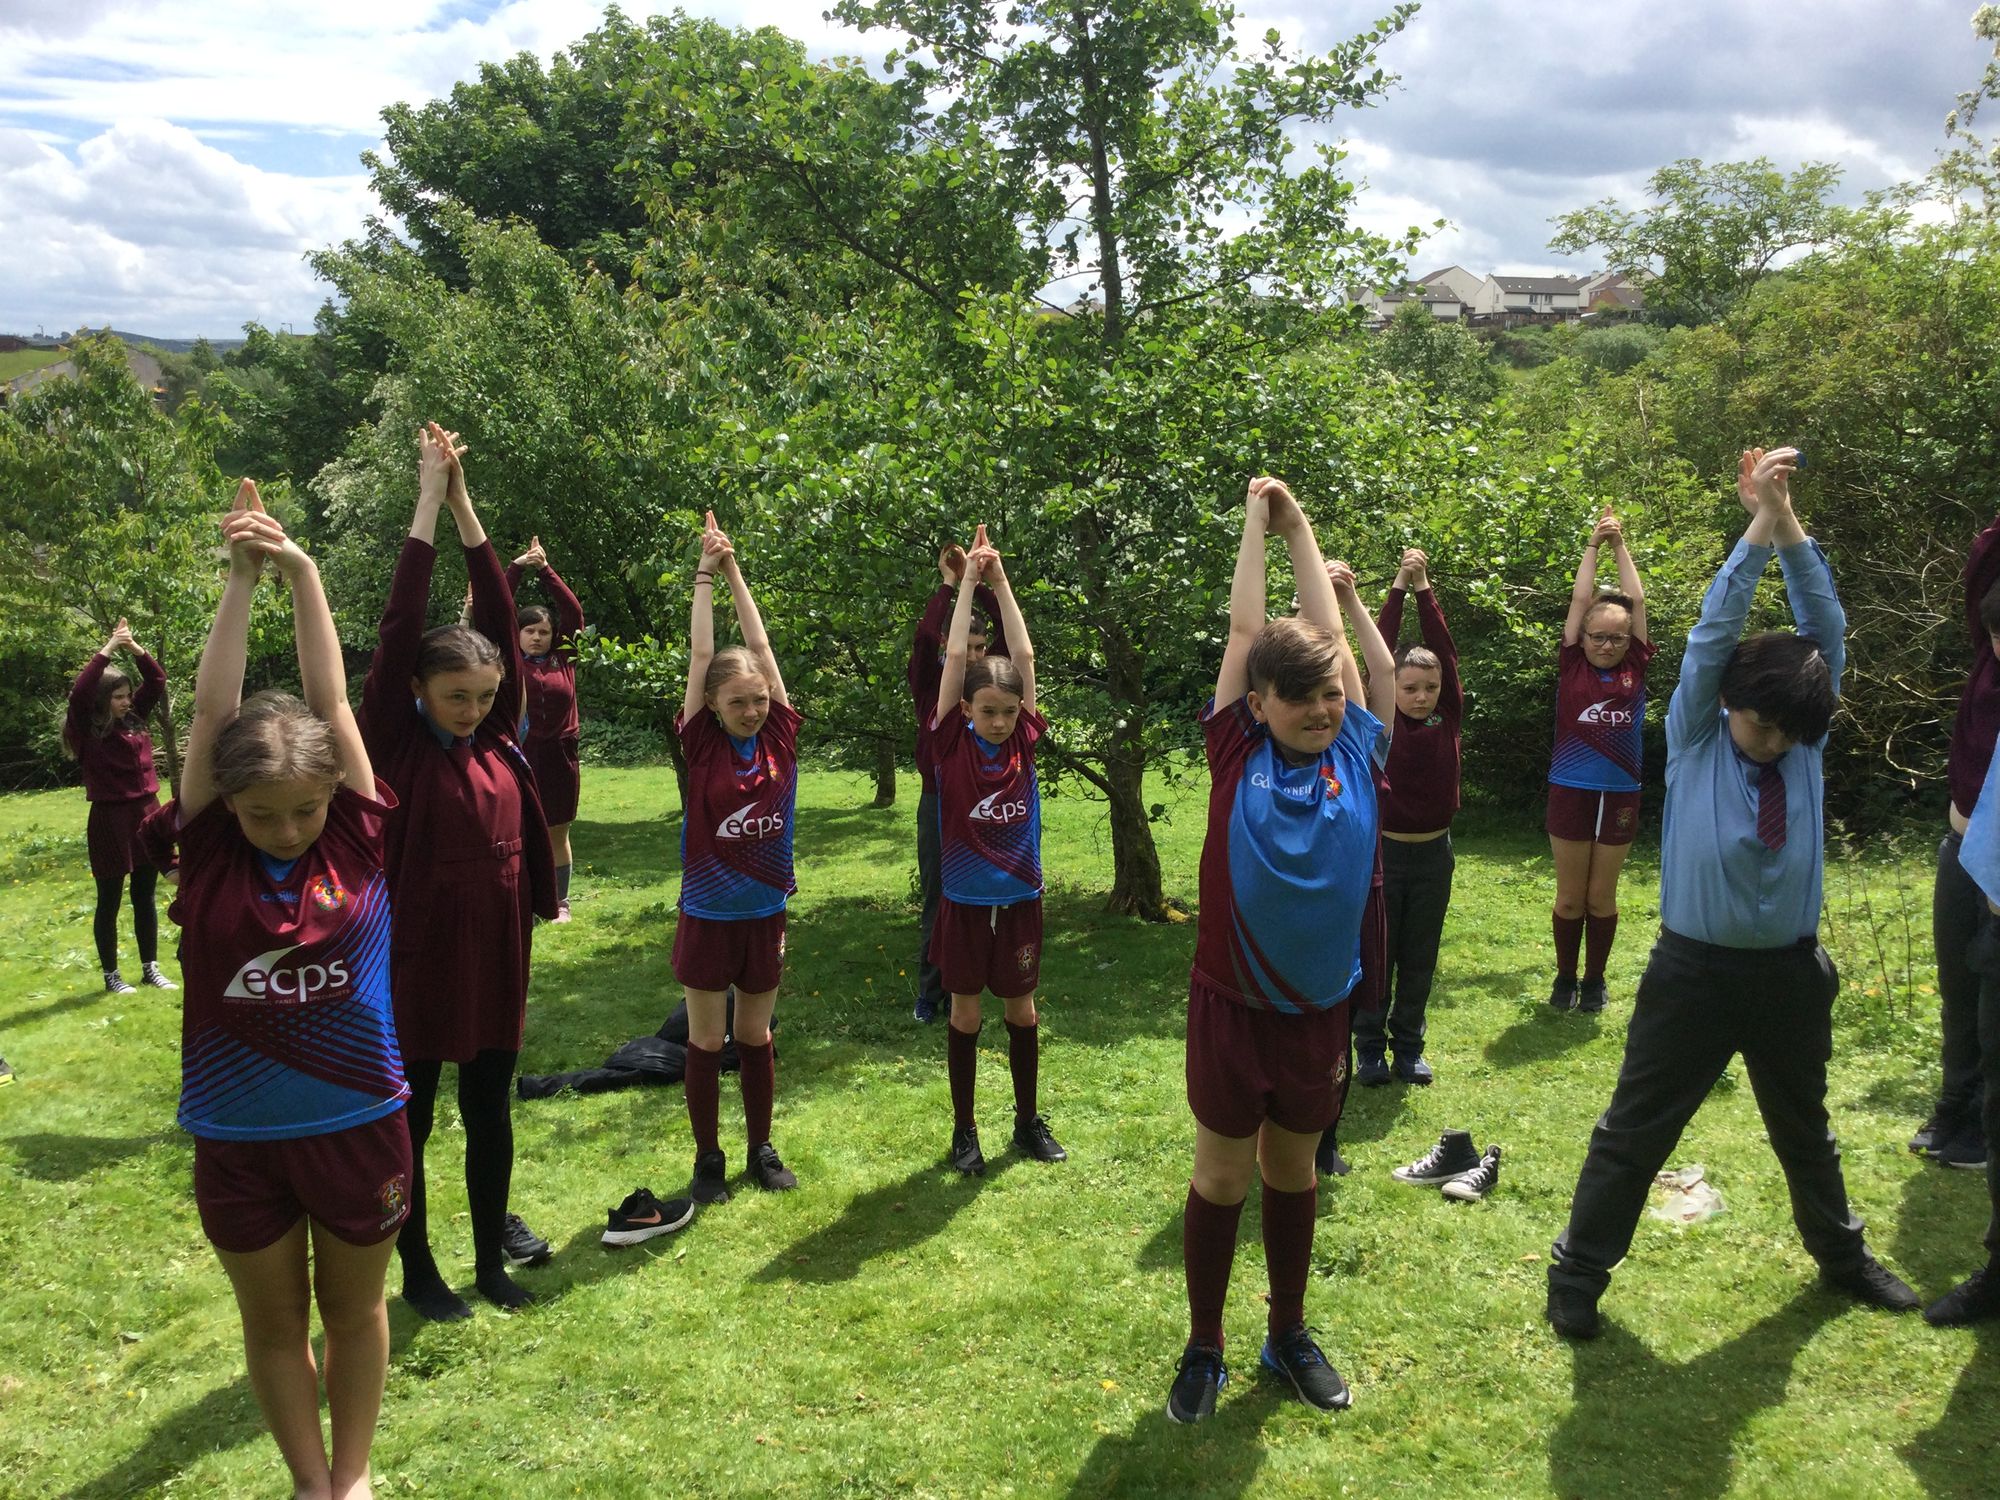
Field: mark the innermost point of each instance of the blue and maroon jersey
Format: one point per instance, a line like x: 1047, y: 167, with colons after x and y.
x: 736, y: 836
x: 286, y: 1023
x: 1287, y: 863
x: 989, y: 810
x: 1600, y: 718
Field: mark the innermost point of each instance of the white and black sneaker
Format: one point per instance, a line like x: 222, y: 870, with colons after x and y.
x: 642, y: 1217
x: 114, y: 984
x: 1453, y: 1155
x: 521, y: 1245
x: 151, y: 975
x: 1470, y: 1187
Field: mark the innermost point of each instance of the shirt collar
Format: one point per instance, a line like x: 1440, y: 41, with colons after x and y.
x: 443, y: 736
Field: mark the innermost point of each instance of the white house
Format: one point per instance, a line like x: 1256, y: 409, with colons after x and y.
x: 1534, y: 295
x: 1460, y: 282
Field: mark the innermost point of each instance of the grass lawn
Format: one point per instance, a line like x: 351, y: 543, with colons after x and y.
x: 15, y: 363
x: 893, y: 1330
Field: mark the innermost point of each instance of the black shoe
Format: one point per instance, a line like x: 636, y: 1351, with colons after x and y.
x: 1198, y: 1379
x: 710, y: 1183
x: 1964, y: 1148
x: 1562, y: 996
x: 1470, y: 1187
x: 1872, y: 1283
x: 1294, y: 1355
x: 1328, y: 1158
x: 1413, y: 1070
x: 965, y: 1153
x: 925, y: 1010
x: 771, y: 1174
x: 1572, y: 1312
x: 521, y: 1245
x: 1371, y: 1070
x: 1454, y: 1153
x: 1973, y: 1300
x: 1590, y: 997
x: 1032, y: 1138
x: 1940, y: 1127
x: 642, y: 1216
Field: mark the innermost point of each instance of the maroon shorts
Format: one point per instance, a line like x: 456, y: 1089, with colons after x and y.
x: 1246, y: 1066
x: 997, y: 948
x: 1588, y: 817
x: 112, y: 835
x: 355, y: 1182
x: 712, y: 955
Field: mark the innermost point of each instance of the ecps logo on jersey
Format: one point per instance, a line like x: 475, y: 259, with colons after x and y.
x: 747, y: 823
x: 991, y: 809
x: 1602, y: 712
x: 263, y: 979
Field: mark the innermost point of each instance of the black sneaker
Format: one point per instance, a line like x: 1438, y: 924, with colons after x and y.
x: 965, y: 1153
x: 1964, y: 1148
x: 1572, y: 1312
x: 1872, y: 1283
x: 1371, y: 1070
x: 114, y: 984
x: 1470, y: 1187
x: 1562, y: 995
x: 1294, y: 1355
x: 1973, y: 1300
x: 711, y: 1178
x: 925, y: 1010
x: 151, y: 975
x: 1940, y: 1127
x: 771, y: 1174
x: 1453, y: 1154
x: 1328, y: 1158
x: 1414, y: 1070
x: 521, y: 1245
x: 642, y: 1216
x: 1032, y: 1138
x: 1198, y: 1379
x: 1590, y: 997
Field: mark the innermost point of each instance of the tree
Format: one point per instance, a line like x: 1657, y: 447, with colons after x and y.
x: 1711, y: 232
x: 1439, y: 354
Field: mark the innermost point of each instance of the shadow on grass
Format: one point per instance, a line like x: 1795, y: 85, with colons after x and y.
x: 65, y: 1158
x: 52, y: 1008
x: 1216, y: 1459
x: 1546, y: 1034
x: 1634, y: 1414
x: 225, y: 1418
x: 887, y: 1220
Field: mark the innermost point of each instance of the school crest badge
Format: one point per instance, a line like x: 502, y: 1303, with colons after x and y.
x: 1340, y: 1070
x: 1332, y: 780
x: 1024, y: 957
x: 1625, y: 817
x: 328, y: 894
x: 1433, y: 721
x: 394, y: 1199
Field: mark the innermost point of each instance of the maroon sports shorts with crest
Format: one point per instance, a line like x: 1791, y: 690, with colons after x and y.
x: 355, y: 1182
x: 997, y: 948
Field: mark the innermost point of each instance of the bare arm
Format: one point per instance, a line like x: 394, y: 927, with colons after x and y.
x: 1629, y: 584
x: 701, y: 618
x: 1585, y: 587
x: 1247, y: 600
x: 951, y: 680
x: 1012, y: 625
x: 1381, y: 689
x: 752, y: 625
x: 218, y: 688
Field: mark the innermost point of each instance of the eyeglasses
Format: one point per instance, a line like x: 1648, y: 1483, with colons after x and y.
x: 1596, y: 639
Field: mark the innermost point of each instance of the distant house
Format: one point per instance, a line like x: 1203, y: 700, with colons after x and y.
x: 1610, y: 296
x: 1460, y: 282
x: 1521, y: 299
x: 1439, y: 301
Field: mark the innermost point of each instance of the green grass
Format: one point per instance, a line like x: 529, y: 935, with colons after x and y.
x: 891, y: 1330
x: 15, y: 363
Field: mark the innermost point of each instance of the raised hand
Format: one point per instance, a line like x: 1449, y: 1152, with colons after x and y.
x: 1769, y: 475
x: 1283, y: 512
x: 1417, y: 568
x: 716, y: 547
x: 983, y: 561
x: 951, y: 563
x: 1340, y: 575
x: 536, y: 557
x: 121, y: 636
x: 1608, y: 531
x: 435, y: 460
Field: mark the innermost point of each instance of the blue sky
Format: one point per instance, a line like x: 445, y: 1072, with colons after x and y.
x: 166, y: 167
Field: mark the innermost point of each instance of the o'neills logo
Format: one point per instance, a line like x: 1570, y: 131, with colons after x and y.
x: 265, y: 978
x: 1604, y: 713
x: 741, y: 824
x: 1302, y: 791
x: 990, y: 809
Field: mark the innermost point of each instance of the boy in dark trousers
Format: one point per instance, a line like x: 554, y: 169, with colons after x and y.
x: 1738, y: 966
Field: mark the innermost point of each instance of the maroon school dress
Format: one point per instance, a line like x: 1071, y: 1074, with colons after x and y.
x: 553, y: 726
x: 467, y: 850
x: 118, y: 775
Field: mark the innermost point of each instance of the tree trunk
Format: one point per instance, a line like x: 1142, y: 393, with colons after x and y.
x: 885, y: 773
x: 170, y: 737
x: 1135, y: 858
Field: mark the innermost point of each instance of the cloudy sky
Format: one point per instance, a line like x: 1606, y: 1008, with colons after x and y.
x: 165, y: 166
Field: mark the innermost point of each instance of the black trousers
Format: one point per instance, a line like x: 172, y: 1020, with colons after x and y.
x: 1416, y: 894
x: 930, y: 875
x: 1957, y: 912
x: 1985, y: 956
x: 1698, y: 1006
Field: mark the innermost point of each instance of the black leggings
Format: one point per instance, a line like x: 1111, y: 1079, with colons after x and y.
x: 145, y: 920
x: 485, y: 1107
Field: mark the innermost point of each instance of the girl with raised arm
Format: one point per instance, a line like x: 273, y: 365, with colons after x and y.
x: 105, y: 730
x: 469, y: 866
x: 1594, y: 773
x: 548, y: 656
x: 290, y: 1078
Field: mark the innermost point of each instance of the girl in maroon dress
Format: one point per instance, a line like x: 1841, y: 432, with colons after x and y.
x: 469, y: 870
x: 548, y: 654
x: 106, y: 731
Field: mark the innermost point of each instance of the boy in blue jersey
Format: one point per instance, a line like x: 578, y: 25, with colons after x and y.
x: 1738, y: 966
x: 1285, y: 873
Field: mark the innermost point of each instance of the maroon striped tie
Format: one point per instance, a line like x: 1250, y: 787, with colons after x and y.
x: 1771, y: 807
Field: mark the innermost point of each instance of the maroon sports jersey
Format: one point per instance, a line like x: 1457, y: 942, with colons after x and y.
x: 989, y: 810
x: 736, y: 835
x: 1600, y: 718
